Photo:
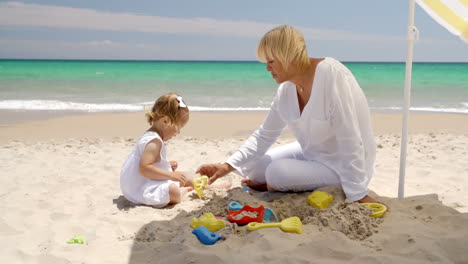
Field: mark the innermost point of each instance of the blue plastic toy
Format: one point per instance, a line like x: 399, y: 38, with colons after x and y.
x: 235, y: 206
x: 268, y: 215
x: 205, y: 236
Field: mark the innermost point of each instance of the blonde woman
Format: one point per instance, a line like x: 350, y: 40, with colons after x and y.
x: 327, y: 111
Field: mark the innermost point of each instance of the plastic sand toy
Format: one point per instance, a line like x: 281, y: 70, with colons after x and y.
x: 198, y: 184
x: 319, y: 199
x: 269, y: 214
x: 379, y: 209
x: 209, y: 221
x: 205, y: 236
x: 234, y: 206
x: 291, y: 225
x: 76, y: 240
x: 249, y: 214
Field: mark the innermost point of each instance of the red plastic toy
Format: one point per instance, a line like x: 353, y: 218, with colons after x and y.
x: 247, y: 219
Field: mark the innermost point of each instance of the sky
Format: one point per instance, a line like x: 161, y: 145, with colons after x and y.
x: 359, y: 30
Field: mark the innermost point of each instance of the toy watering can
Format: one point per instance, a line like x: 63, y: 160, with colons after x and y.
x: 205, y: 236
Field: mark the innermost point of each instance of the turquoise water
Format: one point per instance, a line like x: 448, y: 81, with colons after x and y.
x: 129, y: 85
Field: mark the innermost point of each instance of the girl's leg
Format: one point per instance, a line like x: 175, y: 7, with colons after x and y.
x: 299, y: 175
x: 176, y: 193
x: 189, y: 177
x: 256, y: 176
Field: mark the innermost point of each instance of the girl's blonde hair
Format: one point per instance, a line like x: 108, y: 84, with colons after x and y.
x: 170, y: 105
x: 284, y: 43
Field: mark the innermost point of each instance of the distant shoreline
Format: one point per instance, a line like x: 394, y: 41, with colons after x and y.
x: 201, y: 125
x: 10, y: 117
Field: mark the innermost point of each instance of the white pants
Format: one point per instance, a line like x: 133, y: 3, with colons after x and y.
x: 285, y: 169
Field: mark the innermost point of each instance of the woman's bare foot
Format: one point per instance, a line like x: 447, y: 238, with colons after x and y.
x: 258, y: 187
x: 369, y: 199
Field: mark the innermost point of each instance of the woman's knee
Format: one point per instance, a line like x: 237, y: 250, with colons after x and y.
x: 275, y: 175
x: 257, y: 174
x: 174, y: 194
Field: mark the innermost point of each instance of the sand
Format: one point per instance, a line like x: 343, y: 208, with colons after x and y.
x: 60, y: 178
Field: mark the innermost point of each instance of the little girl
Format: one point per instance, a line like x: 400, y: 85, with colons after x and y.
x: 146, y: 176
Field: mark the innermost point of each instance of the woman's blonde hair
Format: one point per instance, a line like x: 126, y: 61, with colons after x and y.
x: 170, y: 105
x: 284, y: 43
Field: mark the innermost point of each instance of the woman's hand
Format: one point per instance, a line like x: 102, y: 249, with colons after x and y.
x: 173, y: 165
x: 179, y: 177
x: 214, y: 171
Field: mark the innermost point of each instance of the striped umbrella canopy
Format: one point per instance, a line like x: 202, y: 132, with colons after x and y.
x: 451, y: 14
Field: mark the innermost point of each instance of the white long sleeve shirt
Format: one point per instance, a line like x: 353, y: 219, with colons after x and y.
x: 334, y: 128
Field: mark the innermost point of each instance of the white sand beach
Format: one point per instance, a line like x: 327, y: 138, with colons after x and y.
x: 60, y: 178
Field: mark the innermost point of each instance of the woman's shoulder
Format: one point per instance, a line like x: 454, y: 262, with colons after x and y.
x: 285, y: 91
x: 330, y: 63
x: 333, y: 66
x: 285, y: 86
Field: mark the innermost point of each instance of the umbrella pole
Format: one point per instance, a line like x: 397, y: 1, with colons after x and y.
x: 409, y: 66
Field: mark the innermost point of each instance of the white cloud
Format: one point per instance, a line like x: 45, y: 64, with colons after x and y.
x: 20, y: 14
x: 46, y: 43
x: 96, y: 49
x: 105, y: 43
x: 34, y: 15
x: 103, y: 50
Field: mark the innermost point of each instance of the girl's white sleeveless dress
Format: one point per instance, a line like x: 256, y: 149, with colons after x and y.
x: 138, y: 189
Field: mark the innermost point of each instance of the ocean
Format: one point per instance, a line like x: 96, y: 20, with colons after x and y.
x: 115, y: 86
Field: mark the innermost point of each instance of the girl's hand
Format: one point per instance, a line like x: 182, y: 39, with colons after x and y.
x: 179, y: 177
x: 173, y: 165
x: 214, y: 171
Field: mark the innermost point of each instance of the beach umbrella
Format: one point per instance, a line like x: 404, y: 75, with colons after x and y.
x: 451, y: 14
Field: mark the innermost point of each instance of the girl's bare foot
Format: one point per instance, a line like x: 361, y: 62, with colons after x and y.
x: 184, y: 190
x: 258, y: 187
x: 174, y: 165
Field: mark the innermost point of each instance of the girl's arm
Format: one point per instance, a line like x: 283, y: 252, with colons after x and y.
x: 151, y: 155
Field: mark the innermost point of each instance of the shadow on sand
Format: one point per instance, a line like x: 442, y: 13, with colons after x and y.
x: 172, y: 241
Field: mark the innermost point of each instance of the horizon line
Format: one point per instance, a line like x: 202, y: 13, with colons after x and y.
x: 209, y: 60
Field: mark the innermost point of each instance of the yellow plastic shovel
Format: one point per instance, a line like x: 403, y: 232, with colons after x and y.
x: 291, y: 225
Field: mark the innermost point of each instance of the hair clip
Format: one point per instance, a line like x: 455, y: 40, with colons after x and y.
x: 181, y: 102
